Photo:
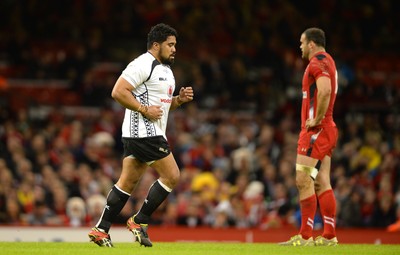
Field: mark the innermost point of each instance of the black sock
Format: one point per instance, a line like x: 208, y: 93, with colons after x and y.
x: 116, y: 200
x: 156, y: 195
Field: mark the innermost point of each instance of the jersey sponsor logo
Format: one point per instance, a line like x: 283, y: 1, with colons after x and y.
x: 166, y: 100
x: 162, y: 79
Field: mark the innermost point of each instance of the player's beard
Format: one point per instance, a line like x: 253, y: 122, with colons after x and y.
x: 168, y: 61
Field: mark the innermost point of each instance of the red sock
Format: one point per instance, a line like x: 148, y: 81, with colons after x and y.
x: 327, y: 207
x: 308, y: 207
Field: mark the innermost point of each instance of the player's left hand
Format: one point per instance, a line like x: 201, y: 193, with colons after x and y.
x: 311, y: 123
x: 186, y: 94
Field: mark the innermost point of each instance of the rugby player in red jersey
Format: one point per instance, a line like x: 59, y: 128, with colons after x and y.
x: 317, y: 139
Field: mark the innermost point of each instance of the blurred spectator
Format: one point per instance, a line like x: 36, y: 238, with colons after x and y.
x: 60, y: 198
x: 95, y: 204
x: 13, y: 212
x: 350, y: 213
x: 192, y: 216
x: 41, y: 214
x: 25, y: 196
x: 253, y: 198
x: 76, y: 212
x: 368, y: 206
x: 385, y: 213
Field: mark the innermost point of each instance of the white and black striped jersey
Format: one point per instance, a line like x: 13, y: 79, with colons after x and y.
x: 152, y: 83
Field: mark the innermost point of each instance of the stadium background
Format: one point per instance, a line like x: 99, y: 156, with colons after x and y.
x: 60, y: 147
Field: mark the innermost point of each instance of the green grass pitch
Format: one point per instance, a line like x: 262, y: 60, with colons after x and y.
x: 188, y: 248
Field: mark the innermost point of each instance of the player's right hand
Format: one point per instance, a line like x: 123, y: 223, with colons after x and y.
x: 154, y: 112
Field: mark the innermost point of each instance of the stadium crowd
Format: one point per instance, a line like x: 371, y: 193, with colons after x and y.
x: 235, y: 145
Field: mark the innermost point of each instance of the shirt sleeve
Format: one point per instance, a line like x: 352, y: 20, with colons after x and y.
x: 135, y: 74
x: 319, y: 68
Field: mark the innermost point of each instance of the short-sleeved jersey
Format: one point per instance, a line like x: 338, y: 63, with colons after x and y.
x: 152, y: 83
x: 321, y: 64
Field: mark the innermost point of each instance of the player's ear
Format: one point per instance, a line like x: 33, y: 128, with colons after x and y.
x: 311, y: 44
x: 156, y: 45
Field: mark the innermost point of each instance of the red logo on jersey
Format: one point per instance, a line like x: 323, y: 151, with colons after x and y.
x: 170, y: 91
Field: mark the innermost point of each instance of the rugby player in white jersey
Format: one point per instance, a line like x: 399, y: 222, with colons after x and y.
x: 145, y: 88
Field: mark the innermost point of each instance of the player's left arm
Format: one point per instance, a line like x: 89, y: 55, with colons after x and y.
x: 323, y: 98
x: 185, y: 95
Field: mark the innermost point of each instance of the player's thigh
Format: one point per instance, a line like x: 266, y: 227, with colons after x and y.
x: 132, y: 171
x: 306, y: 160
x: 168, y: 170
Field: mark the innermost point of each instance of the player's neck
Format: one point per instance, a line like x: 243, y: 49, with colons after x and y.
x: 315, y: 51
x: 154, y: 54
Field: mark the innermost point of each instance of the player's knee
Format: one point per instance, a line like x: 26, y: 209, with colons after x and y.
x: 322, y: 183
x: 126, y: 185
x: 303, y: 181
x: 303, y: 184
x: 172, y: 180
x: 175, y: 178
x: 317, y: 186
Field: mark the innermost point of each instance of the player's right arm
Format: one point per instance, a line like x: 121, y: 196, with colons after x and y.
x: 323, y: 98
x: 122, y: 93
x: 319, y: 70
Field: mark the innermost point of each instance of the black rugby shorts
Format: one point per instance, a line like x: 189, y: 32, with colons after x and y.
x: 146, y: 149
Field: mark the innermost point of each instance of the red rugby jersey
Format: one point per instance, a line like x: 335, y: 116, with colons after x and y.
x: 321, y: 64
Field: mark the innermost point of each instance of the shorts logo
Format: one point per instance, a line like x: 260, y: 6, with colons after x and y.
x: 163, y: 150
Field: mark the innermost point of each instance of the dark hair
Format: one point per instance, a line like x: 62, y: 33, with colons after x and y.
x: 316, y: 35
x: 159, y: 33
